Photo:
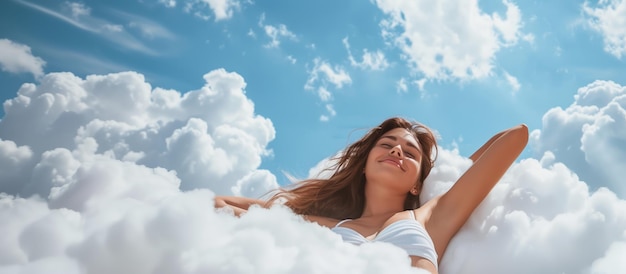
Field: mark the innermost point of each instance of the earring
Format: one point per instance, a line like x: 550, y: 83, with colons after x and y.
x: 414, y: 191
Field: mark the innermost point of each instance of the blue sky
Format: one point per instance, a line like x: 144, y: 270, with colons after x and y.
x: 113, y: 111
x: 555, y: 52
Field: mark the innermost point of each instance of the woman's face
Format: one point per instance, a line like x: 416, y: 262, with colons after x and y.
x: 394, y: 161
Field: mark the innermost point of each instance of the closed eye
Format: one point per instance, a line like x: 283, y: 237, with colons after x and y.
x: 405, y: 152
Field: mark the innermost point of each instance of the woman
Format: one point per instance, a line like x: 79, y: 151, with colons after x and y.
x: 373, y: 192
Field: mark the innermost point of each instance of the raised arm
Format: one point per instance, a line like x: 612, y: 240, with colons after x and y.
x: 239, y: 205
x: 452, y: 209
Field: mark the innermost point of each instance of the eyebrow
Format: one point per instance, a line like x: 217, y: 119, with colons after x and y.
x: 407, y: 143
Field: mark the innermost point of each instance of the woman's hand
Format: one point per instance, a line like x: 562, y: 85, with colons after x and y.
x: 239, y: 205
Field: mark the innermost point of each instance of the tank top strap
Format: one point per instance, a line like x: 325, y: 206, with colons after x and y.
x: 412, y: 214
x: 342, y: 221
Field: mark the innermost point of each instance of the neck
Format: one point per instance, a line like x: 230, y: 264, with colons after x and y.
x: 382, y: 202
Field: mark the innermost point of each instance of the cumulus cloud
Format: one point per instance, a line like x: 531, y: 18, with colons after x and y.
x: 179, y: 233
x: 210, y: 137
x: 607, y: 18
x: 17, y: 58
x: 589, y: 135
x: 453, y: 40
x: 540, y: 218
x: 536, y: 220
x: 112, y: 175
x: 126, y: 174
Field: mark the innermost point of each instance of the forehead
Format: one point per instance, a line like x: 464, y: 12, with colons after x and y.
x: 402, y: 134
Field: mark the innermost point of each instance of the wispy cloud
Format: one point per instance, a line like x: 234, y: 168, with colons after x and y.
x: 84, y: 63
x: 325, y: 73
x: 321, y: 77
x: 79, y: 16
x: 276, y: 33
x: 68, y: 19
x: 512, y: 81
x: 146, y: 27
x: 370, y: 60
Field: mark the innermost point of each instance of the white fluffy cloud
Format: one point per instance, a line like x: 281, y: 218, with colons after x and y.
x: 607, y: 18
x: 17, y: 58
x: 453, y: 39
x: 589, y: 135
x: 210, y: 137
x: 179, y: 233
x: 126, y: 174
x: 540, y: 218
x: 117, y: 164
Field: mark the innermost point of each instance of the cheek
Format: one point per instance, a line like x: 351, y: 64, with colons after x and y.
x: 368, y: 161
x: 372, y: 155
x: 416, y: 169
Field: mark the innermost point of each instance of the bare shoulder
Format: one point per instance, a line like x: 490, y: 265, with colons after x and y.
x: 323, y: 221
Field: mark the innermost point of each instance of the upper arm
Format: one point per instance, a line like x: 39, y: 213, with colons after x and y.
x: 455, y: 206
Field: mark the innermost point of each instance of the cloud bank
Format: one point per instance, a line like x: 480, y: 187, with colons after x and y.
x: 589, y: 135
x: 107, y: 174
x: 209, y: 137
x: 540, y: 218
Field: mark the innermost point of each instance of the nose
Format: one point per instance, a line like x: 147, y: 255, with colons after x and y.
x: 396, y: 151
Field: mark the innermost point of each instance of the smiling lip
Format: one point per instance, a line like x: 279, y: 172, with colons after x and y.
x: 393, y: 162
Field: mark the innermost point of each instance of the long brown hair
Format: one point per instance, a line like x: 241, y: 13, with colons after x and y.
x: 343, y: 194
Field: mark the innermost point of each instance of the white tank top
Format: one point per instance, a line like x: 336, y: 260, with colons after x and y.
x: 408, y: 234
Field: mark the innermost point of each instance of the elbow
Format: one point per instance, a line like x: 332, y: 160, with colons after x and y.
x: 219, y: 202
x: 523, y: 128
x: 521, y: 133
